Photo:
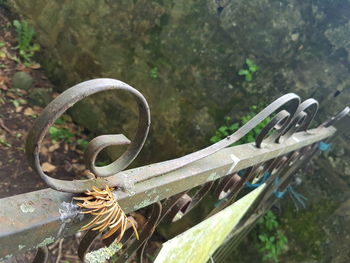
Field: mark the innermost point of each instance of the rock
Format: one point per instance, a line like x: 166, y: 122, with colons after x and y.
x: 344, y: 209
x: 22, y: 80
x: 40, y: 96
x: 200, y: 77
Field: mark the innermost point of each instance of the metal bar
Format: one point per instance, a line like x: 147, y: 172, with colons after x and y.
x: 38, y: 218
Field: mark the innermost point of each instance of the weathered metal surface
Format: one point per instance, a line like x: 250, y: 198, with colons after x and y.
x: 287, y: 125
x: 51, y: 214
x: 66, y: 100
x: 282, y: 147
x: 197, y: 244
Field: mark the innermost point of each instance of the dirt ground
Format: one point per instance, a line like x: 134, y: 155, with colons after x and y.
x: 17, y: 114
x: 60, y: 154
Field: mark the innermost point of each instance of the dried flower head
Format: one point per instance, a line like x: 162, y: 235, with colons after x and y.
x: 106, y: 211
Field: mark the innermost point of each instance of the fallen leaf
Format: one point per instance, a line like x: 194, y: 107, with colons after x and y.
x: 29, y: 112
x: 22, y: 91
x: 54, y: 147
x: 44, y: 150
x: 37, y: 109
x: 78, y: 167
x: 11, y: 95
x: 4, y: 79
x: 34, y: 66
x: 19, y: 109
x: 47, y: 167
x: 3, y: 87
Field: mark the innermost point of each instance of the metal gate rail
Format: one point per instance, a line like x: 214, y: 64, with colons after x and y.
x: 285, y: 144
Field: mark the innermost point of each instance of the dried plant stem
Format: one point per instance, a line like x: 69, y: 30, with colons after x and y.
x: 108, y: 215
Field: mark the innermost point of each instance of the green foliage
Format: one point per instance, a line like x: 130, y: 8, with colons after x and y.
x: 5, y: 143
x: 272, y: 241
x: 60, y: 134
x: 248, y: 72
x: 82, y: 144
x: 153, y: 73
x: 3, y: 3
x: 18, y: 102
x: 229, y: 128
x: 25, y: 36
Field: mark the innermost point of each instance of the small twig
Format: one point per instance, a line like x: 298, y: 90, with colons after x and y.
x: 2, y: 125
x: 59, y: 251
x: 70, y: 256
x: 50, y: 247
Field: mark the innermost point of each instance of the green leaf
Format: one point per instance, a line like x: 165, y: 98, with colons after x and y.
x: 249, y: 62
x: 234, y: 127
x: 17, y: 24
x: 223, y: 129
x: 253, y: 68
x: 35, y: 47
x: 227, y: 118
x: 59, y: 121
x: 16, y: 103
x: 263, y: 237
x: 214, y: 139
x: 82, y: 143
x: 248, y: 76
x: 243, y: 72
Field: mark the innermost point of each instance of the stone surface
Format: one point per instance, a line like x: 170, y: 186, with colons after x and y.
x: 197, y: 51
x: 40, y: 96
x: 22, y: 80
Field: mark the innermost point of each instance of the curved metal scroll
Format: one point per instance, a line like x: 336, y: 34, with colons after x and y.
x: 64, y: 101
x: 68, y: 98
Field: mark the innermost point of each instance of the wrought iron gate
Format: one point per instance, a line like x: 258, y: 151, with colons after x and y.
x: 285, y: 144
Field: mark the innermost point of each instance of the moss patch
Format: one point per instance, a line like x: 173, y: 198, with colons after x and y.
x: 306, y: 232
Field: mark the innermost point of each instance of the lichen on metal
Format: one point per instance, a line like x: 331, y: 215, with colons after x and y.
x: 46, y: 242
x: 20, y: 247
x: 27, y: 208
x: 68, y: 211
x: 197, y: 244
x: 103, y: 254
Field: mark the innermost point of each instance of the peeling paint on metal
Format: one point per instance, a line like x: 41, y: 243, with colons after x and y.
x: 45, y: 242
x: 68, y: 211
x: 103, y: 254
x: 235, y: 160
x: 2, y: 260
x: 27, y: 208
x: 20, y: 247
x: 127, y: 184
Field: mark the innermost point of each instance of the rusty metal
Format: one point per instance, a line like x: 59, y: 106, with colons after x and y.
x: 284, y: 145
